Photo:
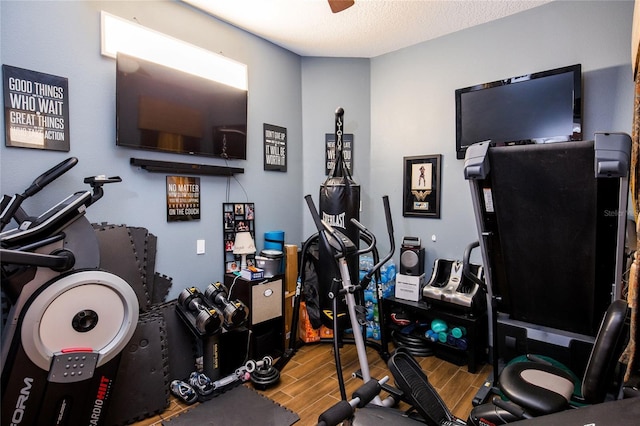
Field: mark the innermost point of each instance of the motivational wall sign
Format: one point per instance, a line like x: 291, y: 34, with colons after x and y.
x: 36, y: 109
x: 330, y: 154
x: 183, y: 198
x: 275, y: 148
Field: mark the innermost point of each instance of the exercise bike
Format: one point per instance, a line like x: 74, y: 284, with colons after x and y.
x: 68, y: 321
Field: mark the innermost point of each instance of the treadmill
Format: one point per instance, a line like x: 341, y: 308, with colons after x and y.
x: 551, y: 224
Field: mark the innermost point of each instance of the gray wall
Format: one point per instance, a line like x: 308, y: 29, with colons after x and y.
x: 63, y: 39
x: 413, y: 105
x: 398, y: 104
x: 329, y: 83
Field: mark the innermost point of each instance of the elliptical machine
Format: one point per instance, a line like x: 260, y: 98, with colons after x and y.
x: 342, y: 248
x: 68, y: 321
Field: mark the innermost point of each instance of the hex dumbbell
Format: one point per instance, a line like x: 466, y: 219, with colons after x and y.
x: 234, y: 313
x: 207, y: 319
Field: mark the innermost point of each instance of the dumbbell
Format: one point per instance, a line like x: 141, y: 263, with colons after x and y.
x: 263, y: 373
x: 234, y: 313
x: 252, y: 365
x: 208, y: 319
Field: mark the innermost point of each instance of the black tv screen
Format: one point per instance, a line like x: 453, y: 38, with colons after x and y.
x: 163, y: 109
x: 542, y: 107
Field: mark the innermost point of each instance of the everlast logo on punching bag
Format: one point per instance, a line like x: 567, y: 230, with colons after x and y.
x: 334, y: 219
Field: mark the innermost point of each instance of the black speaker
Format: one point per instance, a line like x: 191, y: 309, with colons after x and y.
x: 411, y: 257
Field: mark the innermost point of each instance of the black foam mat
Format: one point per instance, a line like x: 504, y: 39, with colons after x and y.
x: 238, y: 406
x: 118, y: 255
x: 141, y: 388
x: 145, y: 250
x: 182, y: 347
x: 161, y: 286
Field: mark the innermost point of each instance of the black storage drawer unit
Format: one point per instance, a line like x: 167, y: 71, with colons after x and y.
x: 265, y: 300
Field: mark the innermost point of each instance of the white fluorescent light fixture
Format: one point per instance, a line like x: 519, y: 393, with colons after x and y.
x: 120, y: 35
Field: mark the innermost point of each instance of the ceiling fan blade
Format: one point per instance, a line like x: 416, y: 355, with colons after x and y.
x: 340, y: 5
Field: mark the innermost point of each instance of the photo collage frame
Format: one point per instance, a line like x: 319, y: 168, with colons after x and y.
x: 236, y: 217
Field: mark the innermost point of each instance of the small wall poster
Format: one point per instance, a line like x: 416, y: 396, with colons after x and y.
x: 275, y: 148
x: 183, y: 198
x: 422, y: 186
x: 347, y: 151
x: 36, y: 108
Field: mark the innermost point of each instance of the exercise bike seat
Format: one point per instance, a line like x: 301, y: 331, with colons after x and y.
x: 417, y: 390
x: 49, y: 222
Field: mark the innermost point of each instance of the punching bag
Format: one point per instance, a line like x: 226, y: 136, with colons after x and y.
x: 339, y: 202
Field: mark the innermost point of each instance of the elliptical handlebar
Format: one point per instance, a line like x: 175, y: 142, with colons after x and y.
x: 339, y: 241
x: 392, y: 245
x: 314, y: 212
x: 370, y: 237
x: 331, y: 237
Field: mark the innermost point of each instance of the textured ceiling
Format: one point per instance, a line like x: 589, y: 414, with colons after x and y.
x: 367, y: 29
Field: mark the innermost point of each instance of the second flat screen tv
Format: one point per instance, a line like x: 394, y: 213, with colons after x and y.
x: 542, y: 107
x: 163, y: 109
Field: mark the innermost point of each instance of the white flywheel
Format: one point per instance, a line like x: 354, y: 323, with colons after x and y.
x: 85, y: 310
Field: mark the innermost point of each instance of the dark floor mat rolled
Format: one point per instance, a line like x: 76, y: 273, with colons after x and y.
x: 141, y: 388
x: 238, y: 406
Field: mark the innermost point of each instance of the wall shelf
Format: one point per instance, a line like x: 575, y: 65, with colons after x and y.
x: 155, y: 166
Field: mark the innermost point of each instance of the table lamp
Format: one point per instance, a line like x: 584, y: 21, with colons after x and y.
x: 243, y: 246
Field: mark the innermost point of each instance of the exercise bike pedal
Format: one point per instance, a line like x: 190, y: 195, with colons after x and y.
x: 72, y: 365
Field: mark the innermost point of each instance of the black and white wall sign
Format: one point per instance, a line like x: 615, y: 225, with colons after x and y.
x: 36, y: 109
x: 183, y: 198
x: 275, y: 148
x: 347, y: 151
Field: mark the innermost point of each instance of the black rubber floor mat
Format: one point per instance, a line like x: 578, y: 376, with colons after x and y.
x: 238, y: 406
x: 118, y: 256
x: 181, y: 343
x: 161, y: 286
x: 145, y: 254
x: 141, y: 388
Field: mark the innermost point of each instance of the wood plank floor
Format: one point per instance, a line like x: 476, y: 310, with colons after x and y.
x: 309, y: 385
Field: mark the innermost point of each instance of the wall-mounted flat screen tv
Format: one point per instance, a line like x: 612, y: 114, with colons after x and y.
x: 163, y: 109
x: 542, y: 107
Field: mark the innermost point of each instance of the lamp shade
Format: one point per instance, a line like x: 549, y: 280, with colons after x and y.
x: 244, y: 244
